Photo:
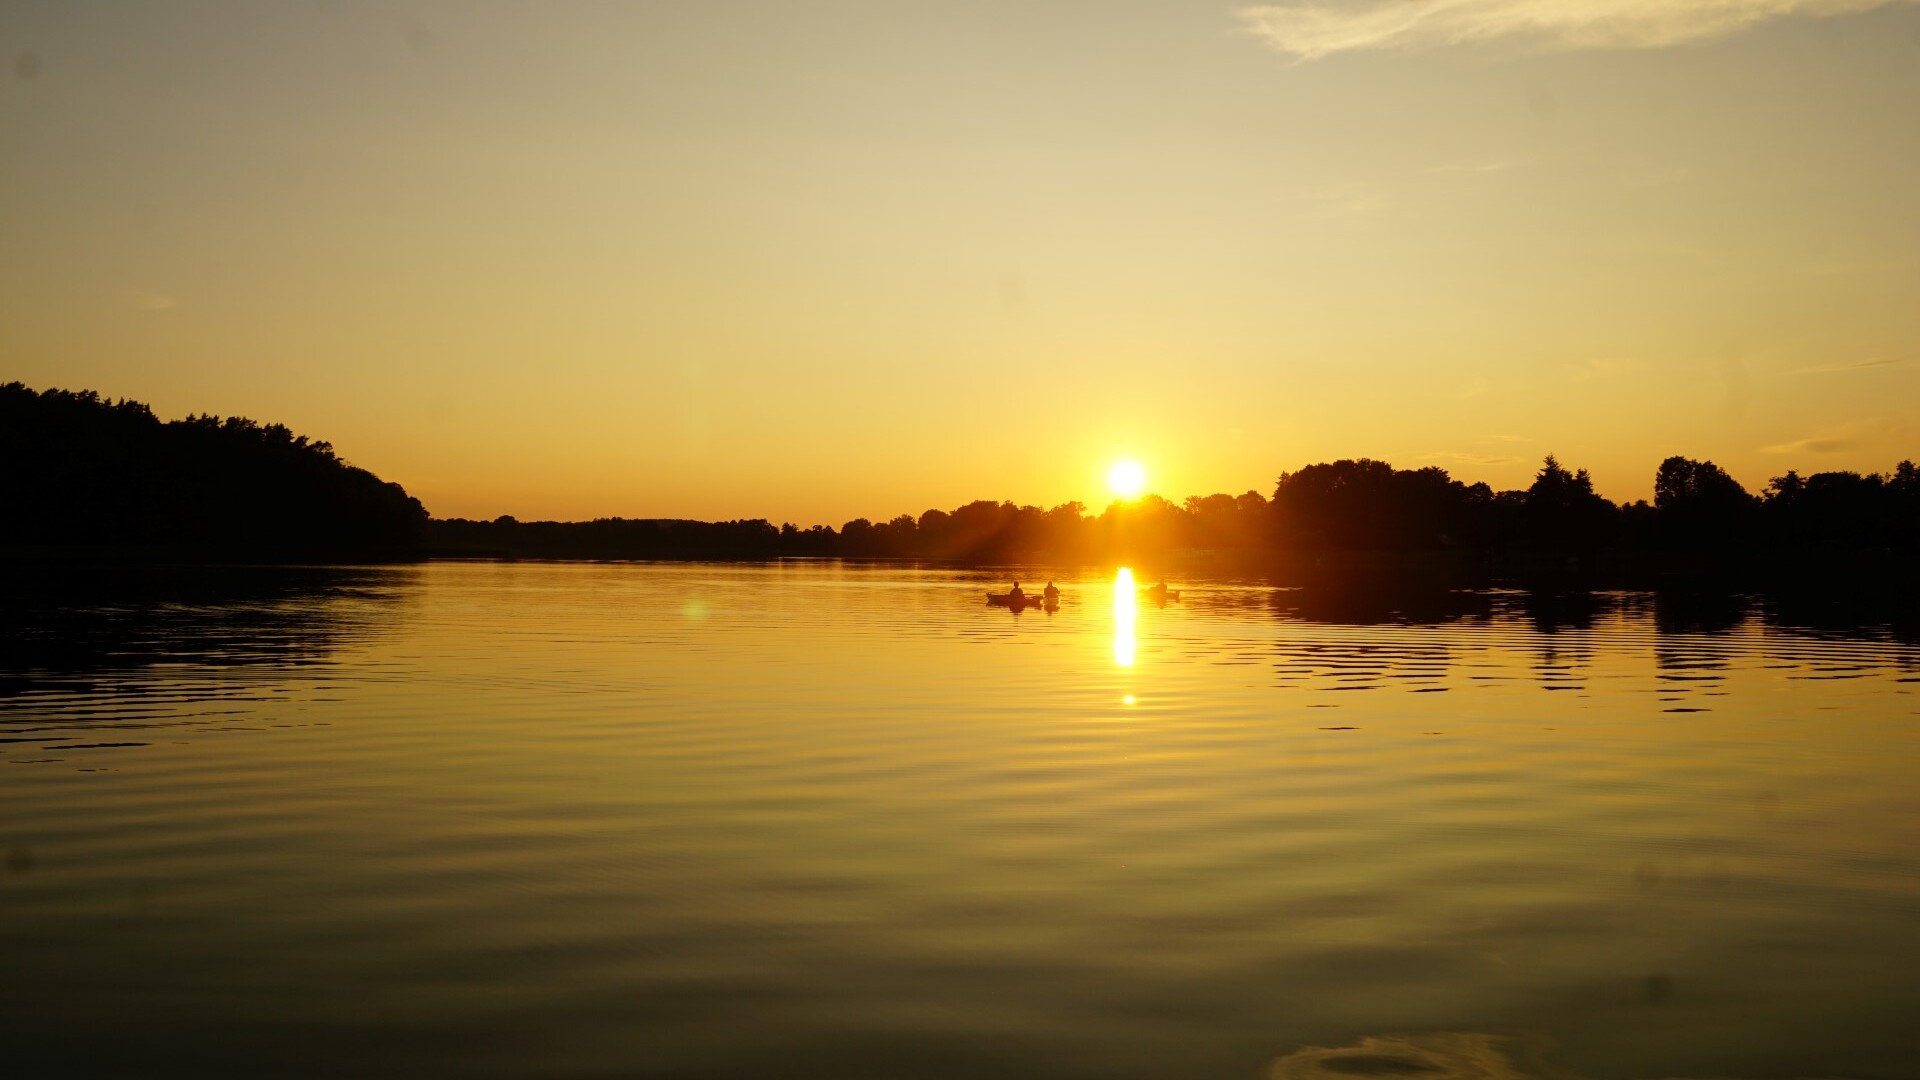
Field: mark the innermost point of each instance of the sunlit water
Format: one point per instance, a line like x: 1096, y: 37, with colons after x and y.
x: 813, y: 820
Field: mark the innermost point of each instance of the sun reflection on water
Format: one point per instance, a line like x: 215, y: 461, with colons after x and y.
x: 1125, y: 608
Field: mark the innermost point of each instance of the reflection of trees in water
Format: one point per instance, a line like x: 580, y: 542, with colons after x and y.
x: 1360, y: 665
x: 1561, y: 622
x: 1551, y: 612
x: 1366, y: 605
x: 1408, y: 663
x: 1890, y: 615
x: 1696, y: 634
x: 1696, y: 645
x: 1701, y: 612
x: 67, y: 619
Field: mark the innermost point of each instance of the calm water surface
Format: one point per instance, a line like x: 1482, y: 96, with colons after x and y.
x: 815, y: 820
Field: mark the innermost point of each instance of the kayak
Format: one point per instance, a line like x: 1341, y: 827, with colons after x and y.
x: 1160, y: 594
x: 1008, y: 600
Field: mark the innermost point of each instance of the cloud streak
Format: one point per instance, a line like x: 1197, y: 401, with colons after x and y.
x: 1846, y: 366
x: 1484, y: 460
x: 1310, y: 29
x: 1855, y: 435
x: 1812, y: 446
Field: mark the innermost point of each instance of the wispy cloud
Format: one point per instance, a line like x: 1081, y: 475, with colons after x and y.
x: 1812, y: 446
x: 1839, y: 367
x: 1844, y: 438
x: 1310, y: 29
x: 1482, y: 460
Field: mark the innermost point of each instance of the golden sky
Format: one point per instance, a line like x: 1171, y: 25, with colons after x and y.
x: 813, y: 261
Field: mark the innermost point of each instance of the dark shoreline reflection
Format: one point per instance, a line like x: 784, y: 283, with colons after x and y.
x: 1695, y: 634
x: 1672, y: 611
x: 1893, y: 615
x: 67, y: 620
x: 1368, y: 605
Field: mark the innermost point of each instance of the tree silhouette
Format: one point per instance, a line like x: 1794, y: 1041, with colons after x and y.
x: 78, y: 470
x: 1700, y: 506
x: 1564, y: 513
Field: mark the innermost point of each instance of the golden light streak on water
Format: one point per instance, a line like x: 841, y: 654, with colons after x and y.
x: 1125, y: 609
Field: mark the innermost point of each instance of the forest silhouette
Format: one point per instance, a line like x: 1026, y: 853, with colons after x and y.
x: 79, y: 472
x: 1341, y: 518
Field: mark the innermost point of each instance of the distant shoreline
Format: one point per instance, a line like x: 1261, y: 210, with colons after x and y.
x: 87, y: 477
x: 1863, y: 573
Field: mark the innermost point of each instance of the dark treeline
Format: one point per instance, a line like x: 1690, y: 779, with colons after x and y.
x: 1697, y: 509
x: 81, y: 472
x: 624, y: 538
x: 1329, y: 514
x: 979, y: 532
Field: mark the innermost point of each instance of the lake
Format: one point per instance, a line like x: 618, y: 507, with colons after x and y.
x: 814, y: 819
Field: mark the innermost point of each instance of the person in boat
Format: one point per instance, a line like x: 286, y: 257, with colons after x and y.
x: 1159, y: 590
x: 1016, y: 595
x: 1051, y: 594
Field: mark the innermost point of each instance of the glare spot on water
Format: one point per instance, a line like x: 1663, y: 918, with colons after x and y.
x: 694, y: 610
x: 1129, y: 699
x: 1125, y: 608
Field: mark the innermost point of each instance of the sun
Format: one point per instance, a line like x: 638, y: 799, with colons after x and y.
x: 1127, y: 479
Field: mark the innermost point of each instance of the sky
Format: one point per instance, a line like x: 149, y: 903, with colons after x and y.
x: 817, y: 260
